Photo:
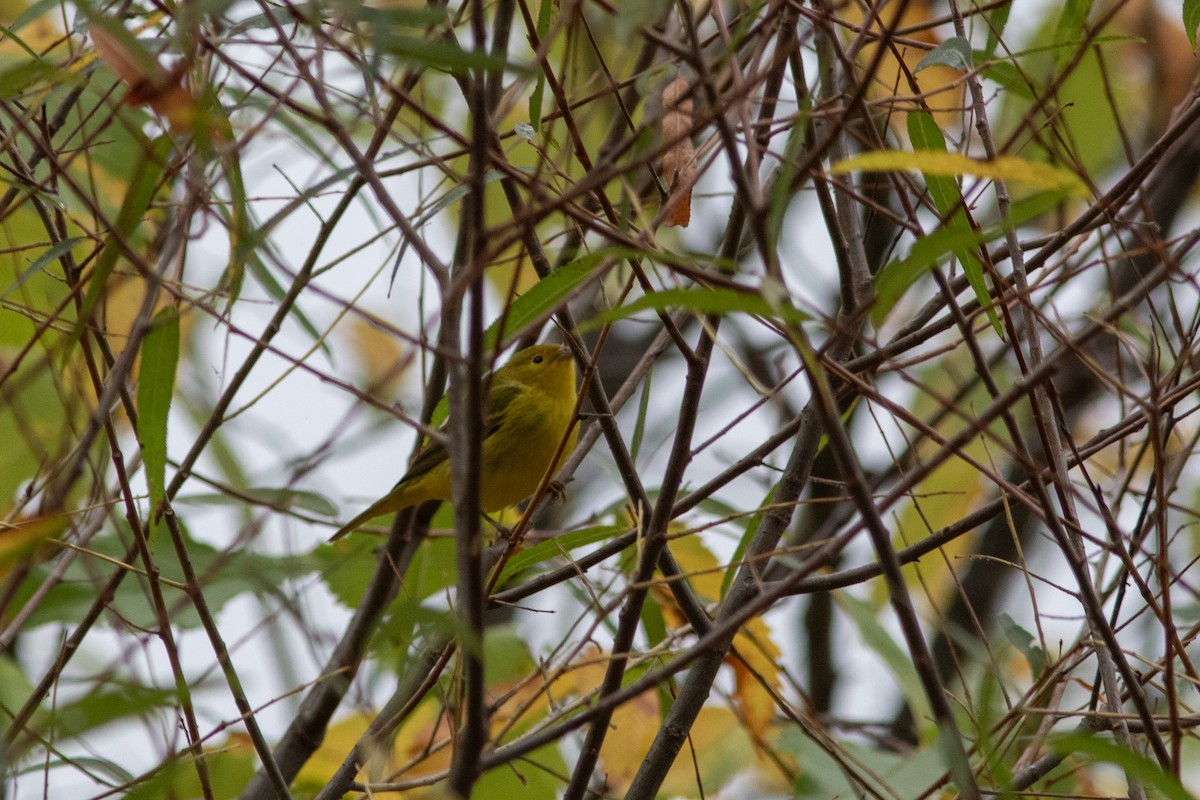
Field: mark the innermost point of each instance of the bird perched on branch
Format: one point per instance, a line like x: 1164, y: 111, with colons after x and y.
x: 527, y: 415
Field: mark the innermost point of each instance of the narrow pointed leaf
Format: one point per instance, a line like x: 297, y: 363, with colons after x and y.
x: 156, y: 385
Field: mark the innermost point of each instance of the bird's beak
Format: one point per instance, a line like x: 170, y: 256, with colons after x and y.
x: 563, y: 352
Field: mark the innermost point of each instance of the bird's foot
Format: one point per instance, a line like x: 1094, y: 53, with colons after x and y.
x: 557, y: 491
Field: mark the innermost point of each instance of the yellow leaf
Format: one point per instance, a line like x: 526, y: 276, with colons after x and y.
x: 717, y: 750
x: 633, y: 728
x: 19, y: 541
x: 382, y: 358
x: 939, y: 88
x: 953, y: 489
x: 423, y: 741
x: 932, y: 162
x: 696, y: 561
x: 339, y: 740
x: 756, y: 663
x: 634, y: 724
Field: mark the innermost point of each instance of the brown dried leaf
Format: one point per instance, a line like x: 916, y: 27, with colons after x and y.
x: 679, y: 160
x: 149, y: 84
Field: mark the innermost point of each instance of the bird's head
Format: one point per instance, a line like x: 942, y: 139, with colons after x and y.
x: 550, y: 367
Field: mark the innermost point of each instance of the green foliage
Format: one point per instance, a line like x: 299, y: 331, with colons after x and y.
x: 1070, y: 28
x: 227, y: 575
x: 228, y: 770
x: 843, y: 769
x: 549, y: 293
x: 1136, y: 765
x: 866, y: 620
x: 957, y: 238
x: 556, y: 547
x: 955, y: 53
x: 143, y: 186
x: 948, y: 201
x: 156, y: 387
x: 1023, y: 640
x: 706, y: 301
x: 1191, y: 20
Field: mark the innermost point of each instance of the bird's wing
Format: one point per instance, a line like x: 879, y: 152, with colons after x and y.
x: 432, y: 454
x: 499, y: 400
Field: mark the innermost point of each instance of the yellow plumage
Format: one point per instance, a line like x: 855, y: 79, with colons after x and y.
x: 527, y: 413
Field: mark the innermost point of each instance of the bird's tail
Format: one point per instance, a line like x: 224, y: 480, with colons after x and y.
x: 375, y: 510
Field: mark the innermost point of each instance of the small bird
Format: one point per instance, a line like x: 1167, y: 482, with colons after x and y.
x: 528, y: 411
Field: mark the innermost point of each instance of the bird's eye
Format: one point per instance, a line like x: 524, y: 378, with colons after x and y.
x: 538, y: 359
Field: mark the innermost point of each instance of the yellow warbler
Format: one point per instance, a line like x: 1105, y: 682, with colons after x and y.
x: 527, y: 413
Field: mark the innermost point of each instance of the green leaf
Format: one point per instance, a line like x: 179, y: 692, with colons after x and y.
x: 546, y: 295
x: 927, y: 140
x: 703, y: 300
x: 825, y: 774
x: 1023, y: 640
x: 105, y: 705
x: 1008, y: 76
x: 997, y: 20
x: 346, y: 566
x: 545, y: 13
x: 244, y: 240
x: 924, y: 132
x: 1191, y: 20
x: 955, y: 53
x: 142, y: 188
x: 898, y: 660
x: 230, y: 768
x: 274, y: 497
x: 557, y: 547
x: 739, y: 553
x: 541, y: 782
x: 416, y: 17
x: 654, y: 624
x: 973, y: 270
x: 782, y: 186
x: 15, y: 80
x: 897, y: 276
x: 156, y: 385
x: 639, y: 425
x: 508, y: 659
x: 1070, y: 29
x: 51, y: 253
x: 14, y: 689
x: 1135, y: 764
x: 925, y: 135
x: 11, y: 35
x: 402, y: 628
x: 444, y: 55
